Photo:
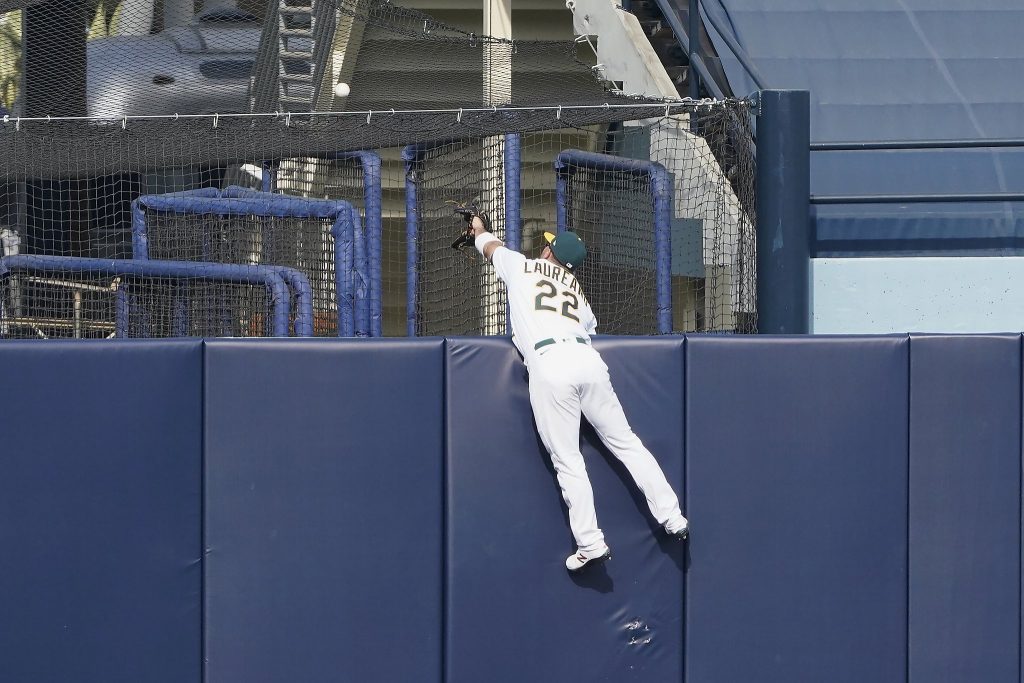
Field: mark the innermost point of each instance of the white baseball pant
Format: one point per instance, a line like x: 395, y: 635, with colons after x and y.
x: 567, y: 379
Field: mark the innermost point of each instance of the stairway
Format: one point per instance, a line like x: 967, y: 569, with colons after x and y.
x: 295, y: 42
x: 669, y: 47
x: 293, y: 65
x: 413, y: 70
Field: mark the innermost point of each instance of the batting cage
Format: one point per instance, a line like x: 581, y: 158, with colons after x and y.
x: 300, y: 107
x: 104, y: 298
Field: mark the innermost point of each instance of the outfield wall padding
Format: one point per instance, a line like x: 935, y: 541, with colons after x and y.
x: 383, y: 510
x: 513, y: 612
x: 100, y: 511
x: 796, y: 488
x: 965, y: 473
x: 324, y: 510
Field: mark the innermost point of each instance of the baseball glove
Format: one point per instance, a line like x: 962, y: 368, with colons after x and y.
x: 468, y: 211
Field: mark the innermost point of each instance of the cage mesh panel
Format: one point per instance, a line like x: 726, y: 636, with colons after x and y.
x: 48, y: 306
x: 305, y: 244
x: 205, y: 309
x: 612, y: 213
x: 343, y: 179
x: 456, y: 292
x: 68, y: 186
x: 76, y: 305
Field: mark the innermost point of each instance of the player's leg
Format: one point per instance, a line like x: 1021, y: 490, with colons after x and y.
x: 602, y: 409
x: 556, y: 409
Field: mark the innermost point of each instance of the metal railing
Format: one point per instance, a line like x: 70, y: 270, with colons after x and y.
x: 911, y: 145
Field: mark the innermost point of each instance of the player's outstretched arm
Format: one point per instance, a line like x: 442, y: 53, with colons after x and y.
x: 486, y: 247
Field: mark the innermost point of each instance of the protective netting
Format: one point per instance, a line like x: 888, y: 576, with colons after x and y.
x: 612, y: 212
x: 69, y: 189
x: 709, y: 283
x: 111, y: 58
x: 55, y: 298
x: 386, y: 108
x: 455, y: 293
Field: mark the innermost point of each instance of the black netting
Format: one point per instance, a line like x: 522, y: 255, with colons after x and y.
x: 303, y: 244
x: 612, y: 212
x: 110, y: 59
x: 457, y: 293
x: 189, y: 98
x: 65, y: 302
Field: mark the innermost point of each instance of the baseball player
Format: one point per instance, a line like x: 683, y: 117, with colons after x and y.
x: 551, y: 326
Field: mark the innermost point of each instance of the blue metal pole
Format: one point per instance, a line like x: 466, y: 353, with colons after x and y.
x: 140, y: 241
x: 373, y: 204
x: 513, y: 199
x: 783, y: 212
x: 513, y: 202
x: 661, y: 189
x: 561, y: 195
x: 360, y: 277
x: 343, y: 232
x: 121, y: 313
x: 268, y: 179
x: 370, y: 164
x: 411, y: 157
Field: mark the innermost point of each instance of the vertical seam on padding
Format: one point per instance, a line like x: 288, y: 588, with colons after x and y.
x: 910, y: 384
x: 443, y: 640
x: 204, y: 674
x: 685, y: 500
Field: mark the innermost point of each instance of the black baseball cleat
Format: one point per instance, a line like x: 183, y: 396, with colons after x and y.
x: 680, y: 533
x: 580, y: 559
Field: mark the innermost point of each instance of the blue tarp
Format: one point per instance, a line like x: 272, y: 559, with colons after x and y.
x: 897, y: 70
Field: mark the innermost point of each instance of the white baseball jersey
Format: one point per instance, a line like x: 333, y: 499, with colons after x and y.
x: 569, y: 379
x: 545, y: 300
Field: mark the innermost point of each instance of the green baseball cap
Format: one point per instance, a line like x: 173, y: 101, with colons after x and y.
x: 568, y: 248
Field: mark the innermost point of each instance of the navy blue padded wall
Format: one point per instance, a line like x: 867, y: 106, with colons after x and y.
x: 513, y: 612
x: 324, y: 470
x: 797, y: 495
x: 965, y: 531
x: 100, y: 485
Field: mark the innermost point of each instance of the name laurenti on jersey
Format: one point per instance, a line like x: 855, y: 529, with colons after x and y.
x: 545, y: 300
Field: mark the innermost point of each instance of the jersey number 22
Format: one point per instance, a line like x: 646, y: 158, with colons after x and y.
x: 550, y: 292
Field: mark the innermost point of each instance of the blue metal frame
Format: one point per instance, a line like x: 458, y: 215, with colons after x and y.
x: 513, y: 192
x: 243, y: 202
x: 373, y: 228
x: 373, y: 210
x: 186, y: 270
x: 411, y: 156
x: 358, y: 274
x: 661, y: 206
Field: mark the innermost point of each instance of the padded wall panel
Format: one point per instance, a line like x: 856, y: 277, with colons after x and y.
x: 797, y: 495
x: 965, y: 532
x: 324, y: 475
x: 100, y: 481
x: 514, y: 613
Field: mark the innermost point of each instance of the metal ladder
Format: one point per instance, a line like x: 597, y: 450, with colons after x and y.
x: 296, y: 38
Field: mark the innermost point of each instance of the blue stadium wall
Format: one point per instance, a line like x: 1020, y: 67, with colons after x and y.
x: 382, y: 510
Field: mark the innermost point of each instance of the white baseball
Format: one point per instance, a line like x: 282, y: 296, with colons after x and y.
x: 341, y: 90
